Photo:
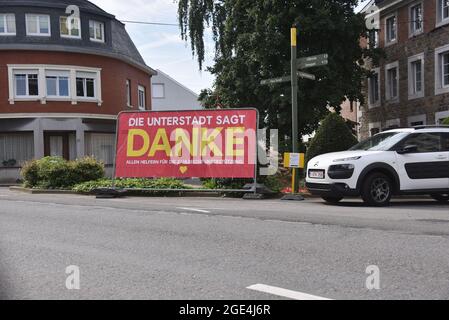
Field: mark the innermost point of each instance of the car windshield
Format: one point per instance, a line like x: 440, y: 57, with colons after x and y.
x: 380, y: 142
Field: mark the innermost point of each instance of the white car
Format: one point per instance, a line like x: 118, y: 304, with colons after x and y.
x: 401, y: 161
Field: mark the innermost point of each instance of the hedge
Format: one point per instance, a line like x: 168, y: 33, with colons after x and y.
x: 57, y: 173
x: 333, y: 135
x: 163, y: 183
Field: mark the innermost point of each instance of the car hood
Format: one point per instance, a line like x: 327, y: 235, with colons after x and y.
x: 330, y: 157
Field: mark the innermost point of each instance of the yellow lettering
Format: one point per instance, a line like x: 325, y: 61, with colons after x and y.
x: 232, y: 141
x: 132, y: 133
x: 160, y: 143
x: 208, y: 141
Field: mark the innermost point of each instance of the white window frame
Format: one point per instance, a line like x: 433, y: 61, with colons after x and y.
x: 440, y: 20
x: 412, y: 31
x: 395, y: 40
x: 61, y: 74
x: 70, y: 36
x: 42, y: 83
x: 27, y: 74
x: 411, y: 77
x: 141, y: 89
x: 376, y: 71
x: 128, y: 93
x: 39, y: 16
x: 388, y: 67
x: 7, y: 32
x: 441, y: 115
x: 419, y: 118
x: 84, y: 78
x: 95, y: 25
x: 440, y: 88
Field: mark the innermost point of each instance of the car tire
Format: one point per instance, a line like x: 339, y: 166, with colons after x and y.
x: 377, y: 190
x: 332, y: 200
x: 441, y: 197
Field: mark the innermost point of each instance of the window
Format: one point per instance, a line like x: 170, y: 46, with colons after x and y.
x: 442, y: 70
x: 26, y: 84
x: 38, y: 25
x: 392, y: 81
x: 419, y: 120
x: 416, y: 76
x: 142, y: 98
x: 96, y: 31
x: 442, y: 12
x: 128, y: 93
x: 16, y: 148
x: 373, y: 38
x: 416, y: 19
x: 101, y: 146
x: 7, y: 24
x: 58, y: 83
x: 426, y: 142
x: 70, y: 28
x: 373, y: 84
x: 85, y: 87
x: 158, y: 90
x: 391, y: 29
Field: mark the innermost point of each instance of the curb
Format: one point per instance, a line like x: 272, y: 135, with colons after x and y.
x: 42, y: 191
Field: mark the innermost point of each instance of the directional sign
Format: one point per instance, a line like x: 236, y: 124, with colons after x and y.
x: 276, y: 80
x: 313, y: 61
x: 306, y: 75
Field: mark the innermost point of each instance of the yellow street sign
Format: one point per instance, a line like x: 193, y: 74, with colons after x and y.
x: 294, y: 160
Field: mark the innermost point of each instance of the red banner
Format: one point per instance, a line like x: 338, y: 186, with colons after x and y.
x: 184, y: 144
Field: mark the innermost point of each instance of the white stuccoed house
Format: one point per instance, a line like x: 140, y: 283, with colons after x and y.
x: 168, y: 94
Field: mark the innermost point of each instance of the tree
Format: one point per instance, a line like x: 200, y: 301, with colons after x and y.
x: 252, y: 43
x: 332, y: 136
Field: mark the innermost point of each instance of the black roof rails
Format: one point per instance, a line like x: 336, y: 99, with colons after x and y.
x: 436, y: 126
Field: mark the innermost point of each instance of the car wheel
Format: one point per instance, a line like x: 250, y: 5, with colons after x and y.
x: 441, y: 197
x: 333, y: 200
x: 377, y: 190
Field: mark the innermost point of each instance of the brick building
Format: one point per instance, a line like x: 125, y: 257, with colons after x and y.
x: 411, y: 86
x: 63, y: 80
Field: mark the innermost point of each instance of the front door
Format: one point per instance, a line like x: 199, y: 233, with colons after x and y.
x: 428, y: 166
x: 56, y: 145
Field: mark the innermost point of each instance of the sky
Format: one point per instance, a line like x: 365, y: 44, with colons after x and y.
x: 161, y: 46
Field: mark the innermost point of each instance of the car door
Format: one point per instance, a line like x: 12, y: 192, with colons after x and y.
x: 426, y: 167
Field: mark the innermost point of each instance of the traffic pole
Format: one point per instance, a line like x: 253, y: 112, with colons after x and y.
x: 294, y: 79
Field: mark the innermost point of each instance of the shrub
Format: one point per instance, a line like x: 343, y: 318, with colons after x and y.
x: 57, y: 173
x: 30, y: 173
x: 446, y: 121
x: 225, y: 183
x: 333, y: 135
x: 163, y: 183
x: 87, y: 169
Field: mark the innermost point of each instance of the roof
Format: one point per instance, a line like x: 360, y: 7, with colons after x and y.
x: 84, y: 5
x: 163, y: 74
x: 119, y: 45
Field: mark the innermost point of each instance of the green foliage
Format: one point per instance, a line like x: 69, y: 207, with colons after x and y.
x: 332, y: 136
x: 57, y: 173
x: 163, y: 183
x: 446, y: 121
x: 225, y: 183
x: 252, y: 43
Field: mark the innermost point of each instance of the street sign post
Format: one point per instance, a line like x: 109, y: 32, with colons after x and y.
x: 313, y: 61
x: 297, y: 64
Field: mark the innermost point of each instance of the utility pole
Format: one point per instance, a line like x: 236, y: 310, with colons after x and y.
x: 294, y: 80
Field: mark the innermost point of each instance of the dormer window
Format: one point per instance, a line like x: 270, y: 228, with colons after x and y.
x: 96, y: 31
x: 70, y: 27
x: 38, y: 25
x: 7, y: 24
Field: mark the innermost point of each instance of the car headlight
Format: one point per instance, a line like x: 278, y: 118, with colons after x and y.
x: 347, y: 159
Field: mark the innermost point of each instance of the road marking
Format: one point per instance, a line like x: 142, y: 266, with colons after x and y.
x: 284, y: 292
x: 194, y: 210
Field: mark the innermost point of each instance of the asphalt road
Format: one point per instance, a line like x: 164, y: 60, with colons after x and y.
x: 209, y: 248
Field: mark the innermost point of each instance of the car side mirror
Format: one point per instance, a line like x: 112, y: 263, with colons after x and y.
x: 408, y: 149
